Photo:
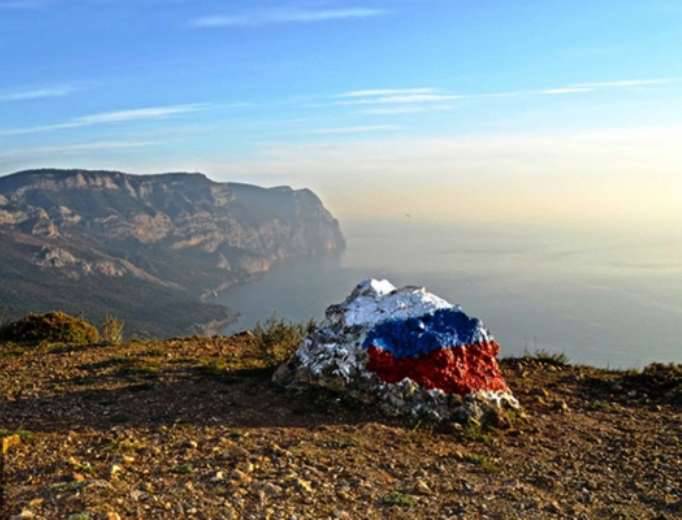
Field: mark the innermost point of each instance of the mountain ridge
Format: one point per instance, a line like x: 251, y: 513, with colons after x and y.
x: 180, y: 236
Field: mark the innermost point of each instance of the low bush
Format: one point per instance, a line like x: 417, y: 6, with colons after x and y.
x: 276, y: 340
x: 112, y: 330
x: 53, y: 327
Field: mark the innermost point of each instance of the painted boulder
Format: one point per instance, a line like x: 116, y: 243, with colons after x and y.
x: 405, y: 350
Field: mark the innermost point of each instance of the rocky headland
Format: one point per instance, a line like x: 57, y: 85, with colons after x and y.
x: 151, y: 249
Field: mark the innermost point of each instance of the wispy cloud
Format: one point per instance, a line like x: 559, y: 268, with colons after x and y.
x: 138, y: 114
x: 36, y: 93
x: 120, y: 116
x: 380, y: 92
x: 581, y: 88
x: 402, y: 99
x: 408, y: 109
x: 287, y: 15
x: 347, y: 130
x: 386, y: 101
x: 627, y: 83
x: 565, y: 90
x: 76, y: 148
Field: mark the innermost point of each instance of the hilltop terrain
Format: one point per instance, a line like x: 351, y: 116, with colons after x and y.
x: 194, y: 428
x: 150, y: 249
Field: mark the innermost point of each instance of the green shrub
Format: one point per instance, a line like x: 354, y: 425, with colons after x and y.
x: 112, y: 330
x: 53, y: 327
x: 551, y: 358
x: 276, y: 340
x: 397, y: 498
x: 484, y: 462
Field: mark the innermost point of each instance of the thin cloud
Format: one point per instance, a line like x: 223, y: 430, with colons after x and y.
x: 345, y: 130
x: 37, y: 93
x: 138, y: 114
x: 76, y: 148
x: 402, y: 99
x: 415, y: 100
x: 627, y: 83
x: 120, y: 116
x: 565, y: 90
x: 380, y: 92
x: 408, y: 109
x: 282, y: 16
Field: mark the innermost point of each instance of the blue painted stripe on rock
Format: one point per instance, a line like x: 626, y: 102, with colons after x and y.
x: 415, y: 337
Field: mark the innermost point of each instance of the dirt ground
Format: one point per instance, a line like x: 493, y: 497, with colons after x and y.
x: 194, y: 429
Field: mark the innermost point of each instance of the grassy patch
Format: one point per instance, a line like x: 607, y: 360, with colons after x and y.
x: 79, y: 516
x: 547, y: 357
x: 340, y: 444
x: 151, y: 352
x: 474, y: 432
x: 139, y: 368
x: 599, y: 405
x: 61, y: 487
x: 112, y: 362
x: 485, y: 463
x: 24, y: 435
x: 398, y: 498
x: 123, y: 446
x: 12, y: 350
x: 183, y: 469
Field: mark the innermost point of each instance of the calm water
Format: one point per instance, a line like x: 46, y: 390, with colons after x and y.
x: 604, y: 300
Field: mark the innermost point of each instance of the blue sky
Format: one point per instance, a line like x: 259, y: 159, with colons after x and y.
x: 388, y: 98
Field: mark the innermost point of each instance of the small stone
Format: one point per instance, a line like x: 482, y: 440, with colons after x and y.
x: 241, y: 477
x: 246, y: 467
x: 26, y: 513
x: 236, y: 452
x: 10, y: 442
x: 553, y: 507
x: 422, y: 487
x: 137, y: 495
x: 78, y: 477
x: 192, y: 444
x: 304, y: 486
x: 562, y: 406
x: 111, y: 515
x: 271, y: 489
x: 115, y: 469
x: 218, y: 477
x: 128, y: 459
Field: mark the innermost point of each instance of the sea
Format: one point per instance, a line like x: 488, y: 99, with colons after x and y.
x: 605, y: 299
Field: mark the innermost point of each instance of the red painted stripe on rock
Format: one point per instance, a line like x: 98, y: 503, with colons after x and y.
x: 460, y: 370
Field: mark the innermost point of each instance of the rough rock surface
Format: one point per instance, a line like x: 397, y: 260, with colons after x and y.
x: 192, y: 428
x: 408, y: 351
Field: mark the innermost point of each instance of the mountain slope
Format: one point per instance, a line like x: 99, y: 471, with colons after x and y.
x: 146, y: 247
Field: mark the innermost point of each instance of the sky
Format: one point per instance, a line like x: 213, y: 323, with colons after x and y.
x: 482, y: 111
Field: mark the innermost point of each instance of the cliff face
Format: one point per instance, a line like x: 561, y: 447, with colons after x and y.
x: 167, y: 238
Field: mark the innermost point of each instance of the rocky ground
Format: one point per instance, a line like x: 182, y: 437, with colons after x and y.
x: 194, y: 429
